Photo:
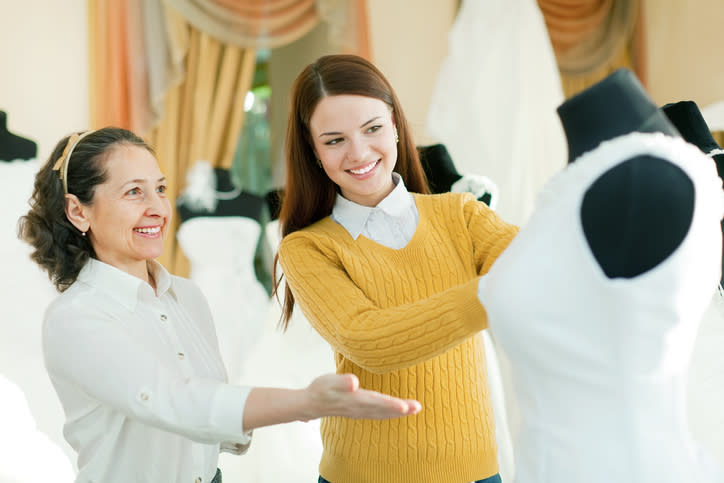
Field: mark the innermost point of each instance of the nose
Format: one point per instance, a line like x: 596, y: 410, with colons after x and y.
x: 157, y: 205
x: 357, y: 149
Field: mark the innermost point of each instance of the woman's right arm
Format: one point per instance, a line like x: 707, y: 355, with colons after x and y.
x: 327, y: 395
x: 379, y: 339
x: 101, y: 360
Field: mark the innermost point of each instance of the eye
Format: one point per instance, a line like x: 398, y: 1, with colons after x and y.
x: 134, y: 191
x: 334, y: 141
x: 374, y: 128
x: 161, y: 188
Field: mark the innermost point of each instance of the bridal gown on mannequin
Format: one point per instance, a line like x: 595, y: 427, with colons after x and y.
x: 289, y: 452
x: 600, y: 364
x: 220, y: 250
x: 26, y: 292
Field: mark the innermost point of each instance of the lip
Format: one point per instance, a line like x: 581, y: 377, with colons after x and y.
x: 374, y: 164
x: 149, y: 233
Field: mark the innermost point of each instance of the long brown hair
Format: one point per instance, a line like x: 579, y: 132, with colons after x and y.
x: 309, y: 194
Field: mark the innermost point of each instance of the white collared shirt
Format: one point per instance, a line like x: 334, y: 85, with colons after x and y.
x: 391, y: 223
x: 140, y: 378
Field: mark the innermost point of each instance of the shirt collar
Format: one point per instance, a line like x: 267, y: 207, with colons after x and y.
x: 353, y: 217
x: 122, y: 286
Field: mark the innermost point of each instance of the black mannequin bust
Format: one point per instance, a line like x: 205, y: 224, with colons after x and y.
x: 230, y: 201
x: 440, y: 170
x: 687, y: 118
x: 637, y: 213
x: 12, y: 146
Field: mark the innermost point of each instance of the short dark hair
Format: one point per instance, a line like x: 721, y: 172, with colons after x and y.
x: 60, y: 249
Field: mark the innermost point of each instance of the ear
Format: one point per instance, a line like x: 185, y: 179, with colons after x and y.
x: 77, y: 213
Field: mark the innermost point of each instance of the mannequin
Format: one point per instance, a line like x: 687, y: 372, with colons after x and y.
x: 12, y: 146
x: 706, y: 376
x: 442, y: 176
x: 227, y: 199
x: 687, y: 118
x: 220, y: 233
x: 598, y: 300
x: 625, y: 193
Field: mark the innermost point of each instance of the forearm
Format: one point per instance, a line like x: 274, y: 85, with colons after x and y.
x: 327, y: 395
x: 267, y: 406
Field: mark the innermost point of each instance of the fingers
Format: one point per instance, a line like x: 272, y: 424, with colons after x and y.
x: 375, y: 405
x: 351, y: 381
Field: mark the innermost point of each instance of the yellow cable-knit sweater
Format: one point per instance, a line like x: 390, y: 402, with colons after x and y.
x: 407, y: 322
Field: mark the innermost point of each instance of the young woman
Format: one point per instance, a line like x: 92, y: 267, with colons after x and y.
x: 389, y: 277
x: 132, y: 350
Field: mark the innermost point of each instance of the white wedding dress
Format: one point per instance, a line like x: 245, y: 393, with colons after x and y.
x: 600, y: 365
x: 221, y: 250
x: 291, y: 359
x: 256, y: 352
x: 26, y: 292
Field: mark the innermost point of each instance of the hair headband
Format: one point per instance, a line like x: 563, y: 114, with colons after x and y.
x: 61, y: 165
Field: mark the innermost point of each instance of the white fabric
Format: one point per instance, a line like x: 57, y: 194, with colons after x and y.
x: 140, y: 378
x: 26, y: 293
x: 479, y: 186
x: 221, y: 251
x: 495, y: 99
x: 599, y: 364
x: 288, y: 452
x: 705, y: 386
x: 22, y: 446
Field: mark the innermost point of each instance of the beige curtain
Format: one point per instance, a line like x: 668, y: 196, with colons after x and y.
x: 176, y: 72
x: 188, y: 103
x: 718, y: 137
x: 275, y: 23
x: 202, y: 119
x: 592, y: 38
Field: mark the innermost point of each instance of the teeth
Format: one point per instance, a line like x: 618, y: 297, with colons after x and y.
x: 364, y: 170
x: 148, y: 230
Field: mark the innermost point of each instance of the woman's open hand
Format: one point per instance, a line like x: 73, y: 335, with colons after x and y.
x: 340, y: 395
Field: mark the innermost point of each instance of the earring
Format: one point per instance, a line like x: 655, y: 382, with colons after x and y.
x: 397, y: 138
x: 319, y: 163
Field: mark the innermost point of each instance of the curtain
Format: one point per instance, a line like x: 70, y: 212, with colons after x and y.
x: 718, y: 137
x: 593, y: 38
x: 178, y: 87
x: 176, y: 72
x: 273, y: 23
x: 203, y: 118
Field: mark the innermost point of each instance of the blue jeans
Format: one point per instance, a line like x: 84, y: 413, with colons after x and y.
x: 493, y: 479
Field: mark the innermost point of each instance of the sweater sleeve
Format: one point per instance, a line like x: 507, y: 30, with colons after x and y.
x: 489, y: 233
x: 377, y: 339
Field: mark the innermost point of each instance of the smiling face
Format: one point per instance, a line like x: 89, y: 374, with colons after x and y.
x: 354, y: 138
x: 128, y: 218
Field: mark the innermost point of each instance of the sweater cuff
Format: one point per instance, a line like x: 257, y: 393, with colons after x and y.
x: 471, y: 304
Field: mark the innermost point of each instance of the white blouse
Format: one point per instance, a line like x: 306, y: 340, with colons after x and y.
x: 140, y: 378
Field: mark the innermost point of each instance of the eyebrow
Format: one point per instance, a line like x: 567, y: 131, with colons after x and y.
x: 140, y: 180
x: 335, y: 133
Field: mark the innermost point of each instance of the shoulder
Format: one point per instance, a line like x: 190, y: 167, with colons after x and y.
x: 324, y: 234
x: 80, y: 309
x: 450, y: 206
x: 185, y: 289
x: 448, y: 200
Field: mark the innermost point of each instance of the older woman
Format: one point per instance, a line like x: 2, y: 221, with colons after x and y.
x: 131, y: 349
